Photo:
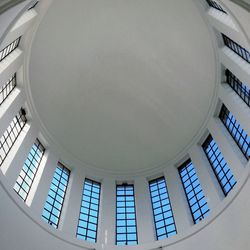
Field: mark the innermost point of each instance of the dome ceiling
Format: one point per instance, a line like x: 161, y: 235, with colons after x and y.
x: 122, y: 85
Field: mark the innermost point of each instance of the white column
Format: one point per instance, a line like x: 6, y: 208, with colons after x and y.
x: 225, y: 24
x: 44, y: 183
x: 208, y: 181
x: 20, y: 27
x: 181, y: 211
x: 19, y: 152
x: 227, y: 146
x: 106, y: 229
x: 72, y: 204
x: 236, y: 106
x: 237, y: 65
x: 10, y: 109
x: 144, y: 213
x: 10, y: 65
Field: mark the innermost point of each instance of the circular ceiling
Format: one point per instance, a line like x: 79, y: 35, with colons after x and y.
x: 122, y: 85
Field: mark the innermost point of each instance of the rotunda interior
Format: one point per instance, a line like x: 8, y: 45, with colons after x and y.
x: 124, y: 124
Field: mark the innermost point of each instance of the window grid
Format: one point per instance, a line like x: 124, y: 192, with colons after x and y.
x: 33, y: 5
x: 54, y: 203
x: 7, y: 88
x: 126, y: 230
x: 243, y: 53
x: 10, y: 48
x: 235, y: 130
x: 89, y: 211
x: 220, y: 167
x: 194, y: 194
x: 241, y: 89
x: 162, y: 209
x: 216, y: 6
x: 11, y: 134
x: 28, y: 173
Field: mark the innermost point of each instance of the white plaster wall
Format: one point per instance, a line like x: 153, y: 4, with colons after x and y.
x: 227, y: 227
x: 8, y: 18
x: 241, y: 15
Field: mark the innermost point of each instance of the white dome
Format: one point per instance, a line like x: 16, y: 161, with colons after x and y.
x: 124, y: 123
x: 130, y: 83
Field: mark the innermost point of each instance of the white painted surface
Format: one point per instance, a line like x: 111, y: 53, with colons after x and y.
x: 132, y: 72
x: 228, y: 225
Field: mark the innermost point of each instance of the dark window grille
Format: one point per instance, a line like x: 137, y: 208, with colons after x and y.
x: 11, y: 134
x: 220, y: 167
x: 242, y: 52
x: 216, y: 6
x: 162, y: 210
x: 241, y: 89
x: 7, y: 88
x: 33, y: 5
x: 126, y: 230
x: 89, y: 212
x: 27, y: 175
x: 10, y: 48
x: 54, y: 203
x: 194, y: 194
x: 236, y: 131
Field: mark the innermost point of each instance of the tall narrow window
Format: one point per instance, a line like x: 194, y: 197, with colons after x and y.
x: 220, y: 167
x: 54, y: 203
x: 236, y: 131
x: 33, y: 5
x: 240, y: 88
x: 7, y: 88
x: 163, y: 214
x: 126, y: 230
x: 192, y: 187
x: 27, y: 175
x: 88, y: 220
x: 10, y: 48
x: 11, y: 134
x: 215, y: 5
x: 242, y: 52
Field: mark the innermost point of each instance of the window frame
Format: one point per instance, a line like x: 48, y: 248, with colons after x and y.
x: 9, y: 48
x: 238, y: 87
x: 23, y: 177
x: 18, y: 120
x: 92, y: 183
x: 125, y: 185
x: 215, y: 5
x: 51, y: 223
x: 205, y: 145
x: 236, y: 48
x: 181, y: 168
x: 7, y: 88
x: 33, y: 5
x: 224, y: 118
x: 156, y: 181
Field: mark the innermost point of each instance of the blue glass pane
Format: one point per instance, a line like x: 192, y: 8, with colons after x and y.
x: 163, y: 215
x: 219, y: 165
x: 88, y: 219
x: 236, y: 131
x: 126, y: 230
x: 26, y: 177
x: 54, y: 203
x: 196, y: 199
